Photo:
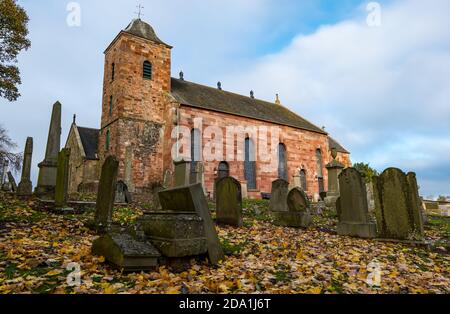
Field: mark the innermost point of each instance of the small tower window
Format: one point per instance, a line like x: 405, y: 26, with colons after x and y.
x: 107, y: 140
x: 110, y: 106
x: 113, y: 71
x: 147, y: 70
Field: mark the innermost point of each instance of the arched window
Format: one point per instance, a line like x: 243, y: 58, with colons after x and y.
x: 107, y: 141
x: 282, y: 163
x: 224, y: 170
x: 250, y: 164
x: 110, y: 106
x: 113, y: 71
x: 303, y: 184
x: 320, y: 170
x: 147, y: 71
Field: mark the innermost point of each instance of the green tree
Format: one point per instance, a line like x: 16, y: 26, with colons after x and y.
x: 6, y: 147
x: 367, y: 172
x: 13, y: 39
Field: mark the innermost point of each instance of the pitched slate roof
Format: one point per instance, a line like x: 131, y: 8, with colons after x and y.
x: 332, y: 143
x: 204, y: 97
x: 139, y: 28
x: 89, y: 139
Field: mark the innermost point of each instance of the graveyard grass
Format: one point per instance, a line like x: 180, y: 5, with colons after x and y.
x: 36, y: 246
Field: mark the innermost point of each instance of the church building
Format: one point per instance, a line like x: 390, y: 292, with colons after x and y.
x: 143, y: 105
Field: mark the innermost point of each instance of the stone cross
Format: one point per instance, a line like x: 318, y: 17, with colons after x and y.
x: 12, y: 181
x: 106, y: 194
x: 48, y: 167
x: 62, y: 179
x: 229, y: 202
x: 182, y: 173
x: 397, y: 206
x: 25, y: 187
x: 278, y: 200
x: 334, y: 169
x: 352, y: 207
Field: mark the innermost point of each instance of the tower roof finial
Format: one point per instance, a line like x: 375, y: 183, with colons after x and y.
x: 139, y: 12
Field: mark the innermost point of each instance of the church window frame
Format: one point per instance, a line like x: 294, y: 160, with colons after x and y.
x: 113, y: 72
x: 147, y: 70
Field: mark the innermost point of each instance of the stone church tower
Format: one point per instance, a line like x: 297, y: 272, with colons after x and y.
x: 136, y: 92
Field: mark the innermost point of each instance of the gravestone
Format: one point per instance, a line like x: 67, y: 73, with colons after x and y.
x: 168, y: 178
x: 48, y: 167
x: 106, y: 194
x: 129, y: 168
x: 122, y: 193
x: 182, y: 173
x: 278, y: 198
x: 12, y: 181
x: 62, y: 180
x: 352, y: 207
x: 396, y: 206
x: 25, y: 187
x: 334, y: 168
x: 192, y: 199
x: 229, y: 202
x: 298, y: 214
x: 244, y: 189
x: 197, y: 174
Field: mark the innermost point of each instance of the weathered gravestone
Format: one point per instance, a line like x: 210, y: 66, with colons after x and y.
x: 121, y: 247
x: 278, y: 198
x: 12, y: 181
x: 106, y: 194
x: 62, y: 180
x: 184, y: 227
x: 122, y: 193
x: 25, y: 187
x: 182, y: 173
x: 48, y: 167
x: 298, y: 210
x: 229, y: 202
x: 334, y: 168
x: 396, y: 206
x: 352, y: 207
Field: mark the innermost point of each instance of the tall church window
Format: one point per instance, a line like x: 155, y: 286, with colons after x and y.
x: 250, y: 164
x: 303, y: 184
x: 113, y: 71
x: 110, y: 106
x: 107, y: 141
x: 320, y: 170
x: 196, y: 149
x: 147, y: 70
x: 282, y: 163
x: 224, y: 170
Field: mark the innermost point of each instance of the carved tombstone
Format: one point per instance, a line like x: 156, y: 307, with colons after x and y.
x: 352, y: 207
x: 106, y: 194
x: 48, y: 167
x: 229, y: 202
x: 334, y: 168
x: 182, y: 173
x: 62, y: 179
x: 298, y: 210
x: 396, y: 206
x: 278, y: 199
x: 25, y: 187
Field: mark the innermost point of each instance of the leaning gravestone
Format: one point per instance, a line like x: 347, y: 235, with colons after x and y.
x: 62, y: 180
x: 12, y: 181
x: 106, y: 194
x: 298, y: 210
x: 396, y: 206
x: 229, y: 202
x: 278, y: 199
x: 352, y: 207
x: 25, y: 187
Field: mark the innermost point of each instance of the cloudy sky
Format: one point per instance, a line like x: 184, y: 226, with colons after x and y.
x: 382, y: 91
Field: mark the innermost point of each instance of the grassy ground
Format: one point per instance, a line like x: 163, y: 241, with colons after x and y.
x: 36, y: 246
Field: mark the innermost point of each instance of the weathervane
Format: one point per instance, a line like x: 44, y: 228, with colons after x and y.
x: 139, y: 13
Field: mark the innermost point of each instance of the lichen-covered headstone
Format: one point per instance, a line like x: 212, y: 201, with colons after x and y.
x: 25, y: 187
x: 229, y: 202
x: 106, y: 194
x: 396, y: 206
x: 298, y: 214
x: 62, y: 179
x: 352, y: 207
x: 278, y: 199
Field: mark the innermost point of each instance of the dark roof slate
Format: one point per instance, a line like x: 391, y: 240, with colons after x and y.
x: 89, y: 139
x: 332, y: 143
x: 200, y: 96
